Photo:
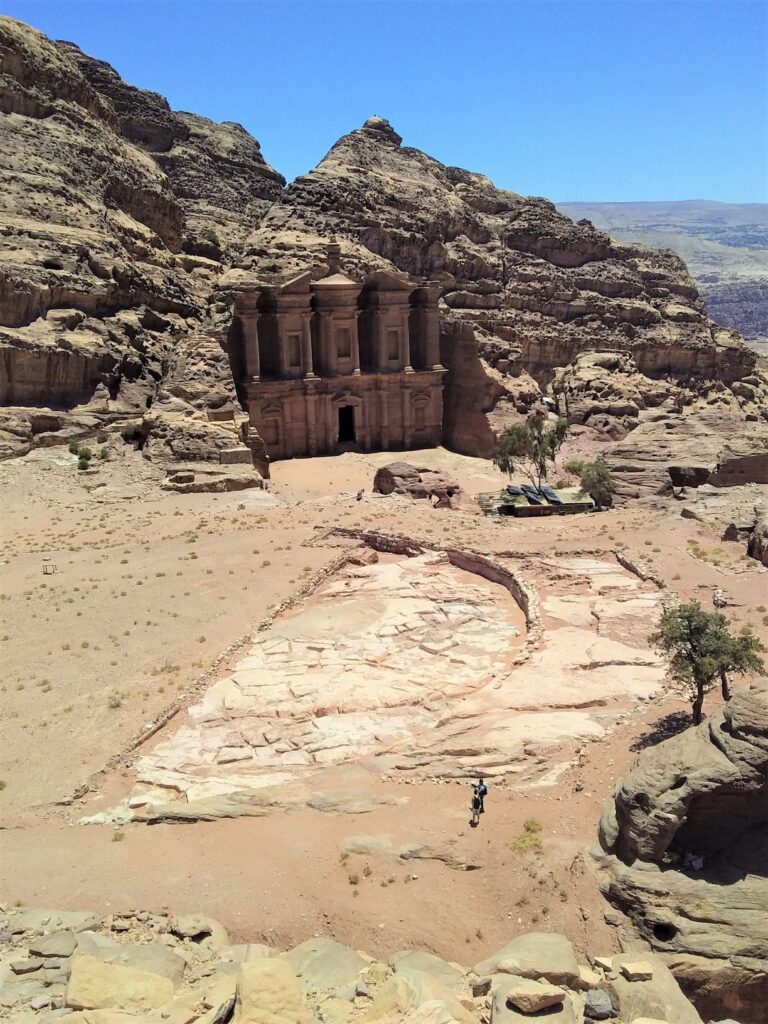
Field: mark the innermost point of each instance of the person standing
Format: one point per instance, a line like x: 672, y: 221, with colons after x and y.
x: 482, y: 792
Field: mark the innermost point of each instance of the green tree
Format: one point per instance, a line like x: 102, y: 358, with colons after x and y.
x: 739, y: 654
x: 597, y: 481
x: 700, y: 648
x: 529, y: 447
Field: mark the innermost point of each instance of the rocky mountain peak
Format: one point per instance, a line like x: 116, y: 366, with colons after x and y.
x: 381, y: 129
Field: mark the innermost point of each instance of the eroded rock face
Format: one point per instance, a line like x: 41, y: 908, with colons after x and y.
x: 706, y: 447
x: 688, y: 838
x: 605, y: 390
x: 117, y: 217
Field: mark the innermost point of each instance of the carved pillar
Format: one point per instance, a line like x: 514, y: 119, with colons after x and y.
x: 355, y: 352
x: 432, y: 347
x: 327, y: 346
x: 407, y: 436
x: 282, y: 347
x: 286, y: 429
x: 249, y: 319
x: 306, y: 346
x: 384, y: 406
x: 333, y: 428
x: 311, y: 405
x: 381, y: 338
x: 405, y: 342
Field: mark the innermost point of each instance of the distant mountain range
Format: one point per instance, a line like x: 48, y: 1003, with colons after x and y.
x: 724, y: 244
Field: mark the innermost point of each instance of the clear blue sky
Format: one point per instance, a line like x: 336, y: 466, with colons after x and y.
x: 575, y: 100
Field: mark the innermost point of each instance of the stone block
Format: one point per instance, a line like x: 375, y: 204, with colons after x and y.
x: 235, y: 457
x: 638, y: 970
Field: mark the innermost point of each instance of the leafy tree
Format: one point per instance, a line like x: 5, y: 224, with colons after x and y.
x: 529, y: 447
x: 597, y: 481
x: 700, y: 648
x: 740, y: 654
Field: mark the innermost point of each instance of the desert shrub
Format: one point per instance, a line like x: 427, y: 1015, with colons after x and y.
x: 85, y: 453
x: 104, y: 455
x: 574, y: 466
x: 74, y: 447
x: 82, y: 464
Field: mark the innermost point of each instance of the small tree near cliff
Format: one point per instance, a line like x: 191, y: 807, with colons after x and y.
x: 530, y: 447
x: 597, y: 481
x: 700, y: 648
x: 739, y: 654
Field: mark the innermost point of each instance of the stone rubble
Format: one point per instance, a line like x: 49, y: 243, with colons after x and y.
x: 320, y: 981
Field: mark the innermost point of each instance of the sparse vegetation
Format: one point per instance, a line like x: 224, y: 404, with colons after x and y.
x: 529, y: 447
x: 700, y: 649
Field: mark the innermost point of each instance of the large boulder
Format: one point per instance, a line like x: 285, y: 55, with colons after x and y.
x: 94, y: 984
x: 535, y: 955
x: 323, y: 963
x: 416, y: 482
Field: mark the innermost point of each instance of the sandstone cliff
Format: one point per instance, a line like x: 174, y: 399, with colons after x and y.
x: 688, y: 838
x: 525, y: 288
x: 127, y: 228
x: 116, y: 215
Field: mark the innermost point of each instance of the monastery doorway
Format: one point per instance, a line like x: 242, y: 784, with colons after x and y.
x: 347, y: 424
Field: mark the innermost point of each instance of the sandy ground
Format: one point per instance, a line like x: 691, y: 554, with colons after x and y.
x: 151, y: 586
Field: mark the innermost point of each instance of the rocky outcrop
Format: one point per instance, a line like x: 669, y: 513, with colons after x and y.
x: 142, y: 964
x: 416, y: 482
x: 605, y: 390
x: 671, y: 450
x: 757, y: 546
x: 688, y: 838
x: 117, y: 216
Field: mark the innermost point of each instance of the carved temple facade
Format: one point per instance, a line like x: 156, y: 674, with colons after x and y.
x: 337, y: 364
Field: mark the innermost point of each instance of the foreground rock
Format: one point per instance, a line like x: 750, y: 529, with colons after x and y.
x: 688, y: 838
x: 319, y: 981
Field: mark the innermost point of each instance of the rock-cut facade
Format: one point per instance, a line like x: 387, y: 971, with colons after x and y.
x: 337, y: 363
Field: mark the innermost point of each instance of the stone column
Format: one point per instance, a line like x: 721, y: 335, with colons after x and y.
x: 311, y: 405
x: 407, y: 435
x: 405, y: 342
x: 287, y: 431
x: 332, y: 428
x: 327, y: 348
x: 355, y: 344
x: 282, y: 348
x: 432, y: 327
x: 249, y: 320
x: 384, y: 421
x: 306, y: 346
x: 380, y: 336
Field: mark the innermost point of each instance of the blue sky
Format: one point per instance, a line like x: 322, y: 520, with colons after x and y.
x: 572, y: 99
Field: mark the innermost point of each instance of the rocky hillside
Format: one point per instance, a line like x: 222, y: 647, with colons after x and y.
x: 127, y: 228
x: 725, y: 246
x: 116, y: 217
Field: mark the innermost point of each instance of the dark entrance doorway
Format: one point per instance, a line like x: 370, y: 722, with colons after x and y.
x: 347, y: 424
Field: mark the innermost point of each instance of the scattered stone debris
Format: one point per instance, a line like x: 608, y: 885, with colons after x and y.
x: 142, y: 967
